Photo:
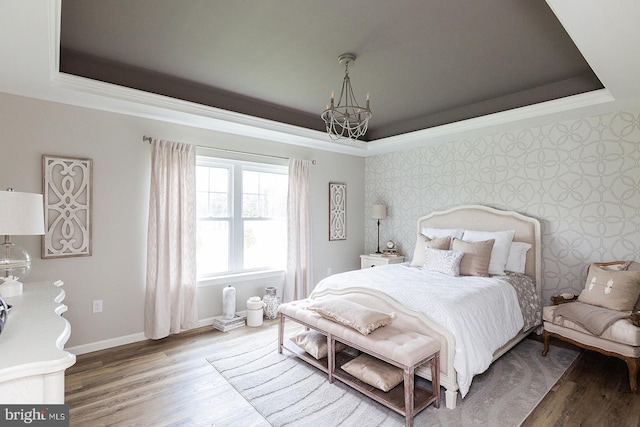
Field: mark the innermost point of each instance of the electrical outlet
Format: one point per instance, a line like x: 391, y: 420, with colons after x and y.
x: 329, y: 271
x: 97, y: 306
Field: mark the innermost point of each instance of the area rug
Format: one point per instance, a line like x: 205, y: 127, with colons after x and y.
x: 289, y: 392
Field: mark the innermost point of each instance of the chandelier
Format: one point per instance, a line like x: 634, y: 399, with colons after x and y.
x: 346, y: 119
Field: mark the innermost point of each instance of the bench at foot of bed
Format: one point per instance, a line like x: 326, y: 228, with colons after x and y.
x: 403, y: 349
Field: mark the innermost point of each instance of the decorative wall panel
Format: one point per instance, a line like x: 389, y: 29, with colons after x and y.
x: 337, y: 211
x: 580, y: 178
x: 67, y: 189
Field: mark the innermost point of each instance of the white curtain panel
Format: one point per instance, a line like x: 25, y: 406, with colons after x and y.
x: 170, y: 303
x: 299, y: 266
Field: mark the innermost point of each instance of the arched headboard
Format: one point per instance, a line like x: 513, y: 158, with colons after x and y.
x: 477, y: 217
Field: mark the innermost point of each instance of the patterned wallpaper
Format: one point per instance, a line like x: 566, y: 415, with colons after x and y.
x: 580, y: 178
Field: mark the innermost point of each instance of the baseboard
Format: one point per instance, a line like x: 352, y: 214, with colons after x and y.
x: 115, y: 342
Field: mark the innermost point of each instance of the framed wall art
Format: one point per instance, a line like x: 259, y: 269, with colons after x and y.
x: 67, y: 191
x: 337, y: 211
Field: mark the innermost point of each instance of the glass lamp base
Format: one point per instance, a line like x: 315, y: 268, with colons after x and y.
x: 14, y: 262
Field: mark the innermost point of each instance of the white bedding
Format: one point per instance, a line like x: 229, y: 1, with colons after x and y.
x: 482, y: 313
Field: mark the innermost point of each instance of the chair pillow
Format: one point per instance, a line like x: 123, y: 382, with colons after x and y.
x: 374, y: 372
x: 315, y: 343
x: 348, y: 313
x: 615, y: 290
x: 500, y: 251
x: 422, y: 242
x: 477, y: 255
x: 446, y: 262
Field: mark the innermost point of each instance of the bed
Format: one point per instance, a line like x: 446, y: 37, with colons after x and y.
x: 477, y: 319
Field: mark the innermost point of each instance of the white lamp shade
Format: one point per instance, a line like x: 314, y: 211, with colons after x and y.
x: 379, y: 211
x: 21, y: 214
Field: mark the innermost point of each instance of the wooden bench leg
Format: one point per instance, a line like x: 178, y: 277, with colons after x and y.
x: 280, y: 333
x: 408, y: 395
x: 331, y: 356
x: 435, y: 378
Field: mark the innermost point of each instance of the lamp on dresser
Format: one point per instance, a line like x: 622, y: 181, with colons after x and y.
x: 379, y: 212
x: 20, y: 214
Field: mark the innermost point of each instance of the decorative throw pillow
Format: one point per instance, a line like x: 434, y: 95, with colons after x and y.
x: 477, y: 255
x: 615, y: 290
x: 374, y: 372
x: 517, y: 259
x: 315, y: 343
x: 423, y: 242
x: 500, y: 250
x: 447, y: 262
x: 348, y: 313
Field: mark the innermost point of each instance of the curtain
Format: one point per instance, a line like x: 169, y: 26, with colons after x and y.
x: 170, y: 300
x: 299, y: 266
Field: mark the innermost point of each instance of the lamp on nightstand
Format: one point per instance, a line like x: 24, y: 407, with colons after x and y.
x: 20, y: 214
x: 378, y: 212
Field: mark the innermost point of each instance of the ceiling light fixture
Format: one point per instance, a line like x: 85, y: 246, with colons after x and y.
x: 346, y: 118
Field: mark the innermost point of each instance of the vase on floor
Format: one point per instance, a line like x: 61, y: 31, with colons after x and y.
x: 271, y: 303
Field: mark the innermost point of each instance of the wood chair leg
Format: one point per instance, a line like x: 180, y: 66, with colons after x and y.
x: 632, y: 364
x: 545, y: 340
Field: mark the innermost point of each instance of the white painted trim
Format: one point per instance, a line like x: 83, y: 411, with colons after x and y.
x: 118, y: 341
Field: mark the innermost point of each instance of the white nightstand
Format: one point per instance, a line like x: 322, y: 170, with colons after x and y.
x: 367, y: 261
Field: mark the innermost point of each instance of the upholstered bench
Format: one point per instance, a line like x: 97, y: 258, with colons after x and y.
x: 401, y: 348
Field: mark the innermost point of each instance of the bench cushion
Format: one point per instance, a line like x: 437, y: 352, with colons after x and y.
x: 402, y: 346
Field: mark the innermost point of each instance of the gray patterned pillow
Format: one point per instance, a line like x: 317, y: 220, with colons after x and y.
x: 447, y: 262
x: 426, y: 242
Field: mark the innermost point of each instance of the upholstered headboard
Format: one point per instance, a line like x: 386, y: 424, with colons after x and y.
x: 475, y: 217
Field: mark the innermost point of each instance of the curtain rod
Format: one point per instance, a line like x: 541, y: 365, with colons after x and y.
x: 146, y: 138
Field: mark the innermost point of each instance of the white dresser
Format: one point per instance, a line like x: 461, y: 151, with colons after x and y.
x: 32, y: 356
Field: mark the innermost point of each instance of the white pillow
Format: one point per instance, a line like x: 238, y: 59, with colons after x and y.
x: 447, y: 262
x: 500, y: 250
x: 436, y: 233
x: 517, y: 258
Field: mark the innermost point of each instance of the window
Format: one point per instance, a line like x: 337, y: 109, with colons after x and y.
x: 242, y: 209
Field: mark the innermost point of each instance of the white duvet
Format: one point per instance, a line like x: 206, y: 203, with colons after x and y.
x: 482, y: 313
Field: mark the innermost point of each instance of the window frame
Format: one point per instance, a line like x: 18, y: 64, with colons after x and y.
x: 236, y: 220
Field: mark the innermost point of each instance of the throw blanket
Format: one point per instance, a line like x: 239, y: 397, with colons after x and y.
x: 481, y: 312
x: 593, y: 318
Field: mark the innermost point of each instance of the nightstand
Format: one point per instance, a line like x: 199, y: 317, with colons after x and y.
x: 367, y: 261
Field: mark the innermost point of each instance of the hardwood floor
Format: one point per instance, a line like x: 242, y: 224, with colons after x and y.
x: 593, y: 392
x: 170, y: 383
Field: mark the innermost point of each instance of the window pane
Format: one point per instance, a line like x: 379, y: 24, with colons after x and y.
x: 202, y: 178
x: 212, y: 247
x: 265, y: 244
x: 264, y: 195
x: 218, y: 205
x: 250, y: 182
x: 219, y: 180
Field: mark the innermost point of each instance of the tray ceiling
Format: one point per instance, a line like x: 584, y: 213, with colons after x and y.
x: 425, y: 63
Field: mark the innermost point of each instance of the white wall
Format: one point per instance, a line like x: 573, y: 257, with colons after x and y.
x: 115, y: 272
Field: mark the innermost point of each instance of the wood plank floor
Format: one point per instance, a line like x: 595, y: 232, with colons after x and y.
x: 169, y: 383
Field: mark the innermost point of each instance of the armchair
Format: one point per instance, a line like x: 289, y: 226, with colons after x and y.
x: 605, y: 317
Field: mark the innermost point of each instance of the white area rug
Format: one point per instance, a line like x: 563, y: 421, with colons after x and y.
x: 288, y: 392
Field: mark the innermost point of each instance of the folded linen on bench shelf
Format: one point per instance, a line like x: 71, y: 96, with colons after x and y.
x: 593, y: 318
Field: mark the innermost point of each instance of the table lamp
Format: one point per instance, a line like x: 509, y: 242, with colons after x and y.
x: 20, y: 214
x: 379, y: 212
